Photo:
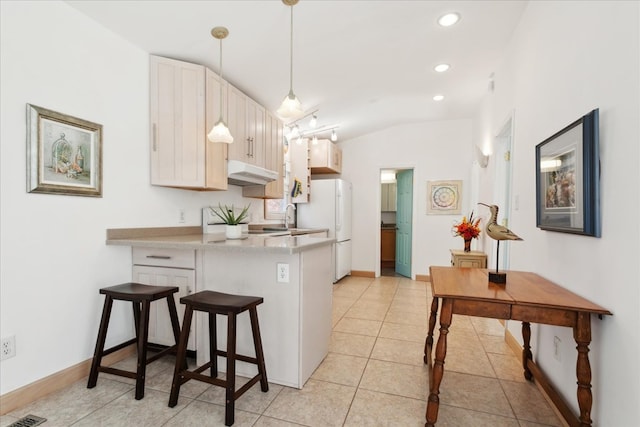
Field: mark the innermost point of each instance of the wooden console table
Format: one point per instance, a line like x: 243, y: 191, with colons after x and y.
x: 526, y: 297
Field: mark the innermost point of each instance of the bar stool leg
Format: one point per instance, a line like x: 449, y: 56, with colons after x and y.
x: 143, y: 334
x: 102, y: 336
x: 230, y: 401
x: 257, y: 342
x: 136, y: 317
x: 181, y: 356
x: 175, y: 324
x: 213, y: 345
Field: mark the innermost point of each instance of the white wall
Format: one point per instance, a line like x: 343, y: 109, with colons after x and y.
x: 53, y: 255
x: 566, y: 59
x: 436, y: 151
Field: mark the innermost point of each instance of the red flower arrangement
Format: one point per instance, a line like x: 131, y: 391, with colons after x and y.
x: 467, y: 229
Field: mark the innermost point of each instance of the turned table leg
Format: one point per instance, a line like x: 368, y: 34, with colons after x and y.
x: 526, y: 349
x: 582, y: 335
x: 428, y: 344
x: 438, y: 364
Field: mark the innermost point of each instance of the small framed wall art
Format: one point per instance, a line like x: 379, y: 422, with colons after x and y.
x: 443, y: 197
x: 64, y: 154
x: 567, y: 179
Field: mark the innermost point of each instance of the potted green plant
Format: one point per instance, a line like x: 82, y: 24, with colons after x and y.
x: 229, y: 216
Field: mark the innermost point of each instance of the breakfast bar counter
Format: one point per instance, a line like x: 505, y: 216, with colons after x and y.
x: 192, y: 238
x: 294, y: 275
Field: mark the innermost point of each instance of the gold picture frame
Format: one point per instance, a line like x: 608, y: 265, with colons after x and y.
x: 64, y: 154
x: 444, y: 197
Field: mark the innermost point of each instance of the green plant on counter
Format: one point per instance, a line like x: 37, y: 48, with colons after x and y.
x: 228, y: 214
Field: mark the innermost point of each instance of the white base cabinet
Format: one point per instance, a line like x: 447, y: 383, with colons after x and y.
x: 295, y: 317
x: 153, y: 273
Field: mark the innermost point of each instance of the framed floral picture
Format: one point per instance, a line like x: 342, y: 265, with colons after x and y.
x: 64, y: 154
x: 444, y: 197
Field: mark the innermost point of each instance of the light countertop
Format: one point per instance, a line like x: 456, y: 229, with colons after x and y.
x: 192, y: 238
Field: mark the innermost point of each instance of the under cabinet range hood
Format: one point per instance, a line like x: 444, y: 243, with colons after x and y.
x: 240, y: 173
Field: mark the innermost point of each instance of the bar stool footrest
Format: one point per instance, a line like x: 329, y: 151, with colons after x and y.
x: 162, y: 353
x: 247, y: 359
x: 116, y: 371
x: 119, y: 346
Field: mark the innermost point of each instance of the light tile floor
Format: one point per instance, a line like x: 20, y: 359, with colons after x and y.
x: 372, y: 376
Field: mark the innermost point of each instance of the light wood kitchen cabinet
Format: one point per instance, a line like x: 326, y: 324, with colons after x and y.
x: 461, y: 258
x: 165, y: 267
x: 184, y: 103
x: 388, y: 247
x: 326, y: 157
x: 273, y: 160
x: 388, y: 197
x: 247, y: 125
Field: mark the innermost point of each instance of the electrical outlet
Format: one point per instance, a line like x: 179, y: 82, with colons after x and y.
x: 8, y: 347
x: 282, y: 273
x: 181, y: 216
x: 556, y: 348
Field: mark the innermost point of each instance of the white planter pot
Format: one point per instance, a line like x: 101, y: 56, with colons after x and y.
x: 233, y: 231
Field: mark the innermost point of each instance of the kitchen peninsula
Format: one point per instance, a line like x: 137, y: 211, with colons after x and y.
x: 293, y: 273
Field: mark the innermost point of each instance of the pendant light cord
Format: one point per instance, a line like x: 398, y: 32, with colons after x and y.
x: 221, y: 80
x: 291, y: 56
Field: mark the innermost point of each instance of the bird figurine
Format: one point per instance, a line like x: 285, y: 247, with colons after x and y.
x: 498, y: 232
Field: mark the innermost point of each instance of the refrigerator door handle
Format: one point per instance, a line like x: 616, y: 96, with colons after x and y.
x: 338, y: 211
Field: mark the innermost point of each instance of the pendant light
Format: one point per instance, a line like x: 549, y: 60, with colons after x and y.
x: 291, y: 107
x: 220, y: 131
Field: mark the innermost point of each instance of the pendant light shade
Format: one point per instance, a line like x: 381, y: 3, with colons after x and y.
x: 291, y: 107
x: 220, y: 132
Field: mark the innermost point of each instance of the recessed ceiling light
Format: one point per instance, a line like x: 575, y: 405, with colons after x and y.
x: 438, y: 97
x: 441, y: 68
x: 449, y: 19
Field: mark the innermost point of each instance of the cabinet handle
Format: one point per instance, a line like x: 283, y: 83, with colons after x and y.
x: 159, y: 256
x: 155, y: 147
x: 249, y: 147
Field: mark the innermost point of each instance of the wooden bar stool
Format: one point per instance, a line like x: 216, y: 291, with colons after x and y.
x: 216, y: 303
x: 141, y: 297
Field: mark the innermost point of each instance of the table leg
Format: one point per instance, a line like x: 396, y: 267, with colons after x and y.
x: 526, y: 349
x: 582, y: 335
x: 428, y: 344
x: 438, y: 365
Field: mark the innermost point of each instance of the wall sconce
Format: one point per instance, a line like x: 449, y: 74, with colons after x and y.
x: 481, y: 158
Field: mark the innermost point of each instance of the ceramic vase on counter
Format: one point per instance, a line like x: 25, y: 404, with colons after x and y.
x: 233, y: 231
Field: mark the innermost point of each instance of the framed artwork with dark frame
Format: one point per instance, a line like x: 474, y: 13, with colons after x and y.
x: 64, y: 154
x: 568, y: 179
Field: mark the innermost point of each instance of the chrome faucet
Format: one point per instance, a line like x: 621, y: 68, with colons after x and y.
x: 286, y: 210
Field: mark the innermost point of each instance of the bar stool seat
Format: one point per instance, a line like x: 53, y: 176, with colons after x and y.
x: 229, y: 305
x: 141, y: 297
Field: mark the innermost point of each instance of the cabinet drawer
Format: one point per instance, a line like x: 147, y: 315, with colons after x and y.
x: 177, y: 258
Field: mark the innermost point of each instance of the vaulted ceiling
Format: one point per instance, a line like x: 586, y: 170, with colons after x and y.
x: 365, y: 65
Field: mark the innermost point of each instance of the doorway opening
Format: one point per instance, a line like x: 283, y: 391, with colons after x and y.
x: 396, y: 222
x: 502, y: 187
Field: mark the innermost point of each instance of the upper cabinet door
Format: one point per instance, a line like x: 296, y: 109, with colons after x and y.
x: 326, y: 157
x: 256, y: 133
x: 177, y: 106
x: 237, y: 111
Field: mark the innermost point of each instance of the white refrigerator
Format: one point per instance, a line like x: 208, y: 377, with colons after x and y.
x: 330, y: 207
